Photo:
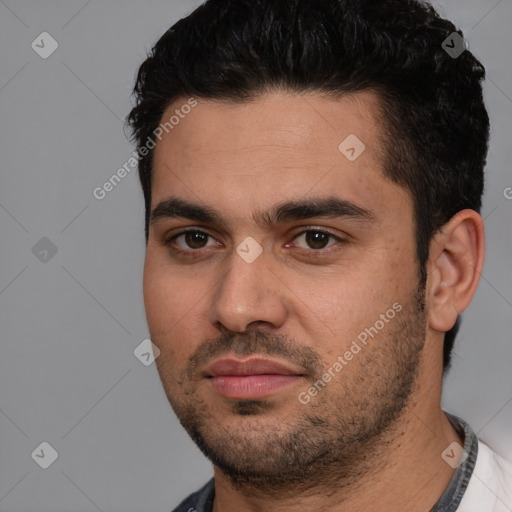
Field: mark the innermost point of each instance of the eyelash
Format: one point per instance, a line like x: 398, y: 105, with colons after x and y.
x: 311, y: 253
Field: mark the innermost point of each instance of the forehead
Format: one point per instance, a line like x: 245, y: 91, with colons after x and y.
x: 302, y: 123
x: 278, y: 145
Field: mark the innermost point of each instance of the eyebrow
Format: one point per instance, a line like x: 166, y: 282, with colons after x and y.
x: 326, y: 207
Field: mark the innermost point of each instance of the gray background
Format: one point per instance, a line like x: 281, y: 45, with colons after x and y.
x: 69, y: 325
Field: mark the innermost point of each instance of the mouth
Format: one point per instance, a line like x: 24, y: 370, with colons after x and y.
x: 251, y: 379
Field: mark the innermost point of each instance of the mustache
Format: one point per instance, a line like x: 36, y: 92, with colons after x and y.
x: 255, y: 342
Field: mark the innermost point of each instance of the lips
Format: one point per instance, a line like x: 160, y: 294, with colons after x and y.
x: 254, y: 378
x: 254, y: 366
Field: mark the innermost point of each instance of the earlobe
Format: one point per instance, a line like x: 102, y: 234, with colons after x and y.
x: 457, y: 258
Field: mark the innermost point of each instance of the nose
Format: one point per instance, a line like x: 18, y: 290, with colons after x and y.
x: 249, y: 293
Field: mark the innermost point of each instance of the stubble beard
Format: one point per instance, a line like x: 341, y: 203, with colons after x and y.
x: 330, y: 442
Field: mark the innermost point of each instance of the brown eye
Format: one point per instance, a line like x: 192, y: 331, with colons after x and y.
x: 191, y: 239
x: 316, y: 239
x: 195, y: 239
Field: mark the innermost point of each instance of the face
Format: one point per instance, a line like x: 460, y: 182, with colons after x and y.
x: 281, y: 285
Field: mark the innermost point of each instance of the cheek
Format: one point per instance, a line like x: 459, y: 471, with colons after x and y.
x: 351, y: 300
x: 159, y: 299
x: 164, y: 303
x: 173, y: 312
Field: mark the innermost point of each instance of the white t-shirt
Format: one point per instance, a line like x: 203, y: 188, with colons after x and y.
x: 490, y: 485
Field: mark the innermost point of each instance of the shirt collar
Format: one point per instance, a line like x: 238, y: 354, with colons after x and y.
x: 452, y: 496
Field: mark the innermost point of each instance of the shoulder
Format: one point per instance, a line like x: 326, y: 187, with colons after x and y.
x: 490, y: 486
x: 199, y: 501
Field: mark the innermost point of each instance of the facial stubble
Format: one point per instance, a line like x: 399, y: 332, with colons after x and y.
x: 334, y: 439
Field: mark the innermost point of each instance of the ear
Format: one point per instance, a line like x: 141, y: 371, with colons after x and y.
x: 455, y: 264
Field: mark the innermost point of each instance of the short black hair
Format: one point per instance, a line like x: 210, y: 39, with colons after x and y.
x: 435, y: 124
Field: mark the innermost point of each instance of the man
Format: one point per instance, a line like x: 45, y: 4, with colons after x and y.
x: 313, y: 172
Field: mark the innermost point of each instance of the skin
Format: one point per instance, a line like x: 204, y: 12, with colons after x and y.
x: 240, y: 159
